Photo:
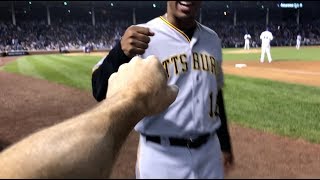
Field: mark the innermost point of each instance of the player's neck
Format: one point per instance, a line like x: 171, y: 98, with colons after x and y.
x: 181, y: 24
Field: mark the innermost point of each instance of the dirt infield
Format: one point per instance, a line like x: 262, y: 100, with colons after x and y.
x: 298, y: 72
x: 5, y: 60
x: 101, y: 54
x: 242, y: 51
x: 257, y: 154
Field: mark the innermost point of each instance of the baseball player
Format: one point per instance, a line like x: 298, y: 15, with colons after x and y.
x: 266, y: 36
x: 298, y: 42
x: 182, y: 141
x: 247, y: 38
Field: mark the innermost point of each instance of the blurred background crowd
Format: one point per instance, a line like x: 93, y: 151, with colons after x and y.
x: 33, y: 35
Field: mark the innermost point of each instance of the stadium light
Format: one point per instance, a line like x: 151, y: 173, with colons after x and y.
x: 225, y: 13
x: 30, y: 2
x: 65, y: 3
x: 227, y: 6
x: 262, y: 7
x: 154, y: 5
x: 89, y: 12
x: 69, y: 11
x: 25, y: 11
x: 111, y: 4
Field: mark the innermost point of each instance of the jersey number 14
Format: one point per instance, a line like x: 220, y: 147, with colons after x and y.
x: 216, y: 111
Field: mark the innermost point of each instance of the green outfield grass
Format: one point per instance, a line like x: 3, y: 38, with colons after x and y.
x: 69, y: 70
x: 281, y: 108
x: 277, y: 53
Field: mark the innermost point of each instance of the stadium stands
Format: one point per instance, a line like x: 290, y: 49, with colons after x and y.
x: 77, y: 32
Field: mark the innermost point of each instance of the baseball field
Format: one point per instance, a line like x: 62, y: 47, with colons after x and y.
x: 273, y: 108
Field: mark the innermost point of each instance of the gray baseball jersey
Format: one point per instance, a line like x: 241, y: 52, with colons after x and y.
x: 194, y: 65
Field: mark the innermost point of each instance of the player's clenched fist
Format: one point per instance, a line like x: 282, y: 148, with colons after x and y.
x: 135, y: 40
x: 144, y: 81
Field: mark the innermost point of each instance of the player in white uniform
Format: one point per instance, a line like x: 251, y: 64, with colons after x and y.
x: 182, y: 141
x: 298, y: 41
x: 247, y: 38
x: 266, y: 36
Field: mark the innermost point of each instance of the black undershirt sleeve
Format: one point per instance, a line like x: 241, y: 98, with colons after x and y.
x: 111, y: 64
x: 223, y: 132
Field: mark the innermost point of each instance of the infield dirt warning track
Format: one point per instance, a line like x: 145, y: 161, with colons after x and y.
x: 100, y: 54
x: 300, y: 72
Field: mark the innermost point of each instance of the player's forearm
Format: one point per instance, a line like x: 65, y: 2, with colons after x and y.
x: 111, y: 64
x: 223, y: 132
x: 84, y: 146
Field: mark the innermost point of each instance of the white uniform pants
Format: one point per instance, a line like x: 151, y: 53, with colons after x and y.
x: 246, y: 44
x: 298, y: 45
x: 265, y: 49
x: 174, y: 162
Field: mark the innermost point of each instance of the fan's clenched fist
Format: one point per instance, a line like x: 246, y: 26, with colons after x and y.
x: 144, y: 81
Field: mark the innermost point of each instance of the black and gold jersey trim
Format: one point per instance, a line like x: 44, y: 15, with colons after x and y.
x: 174, y: 27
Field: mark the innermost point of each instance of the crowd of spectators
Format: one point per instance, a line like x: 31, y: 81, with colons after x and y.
x: 33, y: 35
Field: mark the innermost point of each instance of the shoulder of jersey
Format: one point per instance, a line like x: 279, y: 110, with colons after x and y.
x: 208, y: 30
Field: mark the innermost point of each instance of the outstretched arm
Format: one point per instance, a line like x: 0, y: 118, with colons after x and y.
x: 83, y: 146
x: 86, y: 146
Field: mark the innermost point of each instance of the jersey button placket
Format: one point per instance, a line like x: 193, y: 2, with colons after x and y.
x: 198, y: 81
x: 198, y: 78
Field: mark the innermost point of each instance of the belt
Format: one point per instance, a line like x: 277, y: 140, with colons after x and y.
x: 190, y: 143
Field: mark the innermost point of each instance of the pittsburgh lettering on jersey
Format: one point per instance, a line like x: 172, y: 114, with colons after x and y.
x: 179, y: 63
x: 200, y: 62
